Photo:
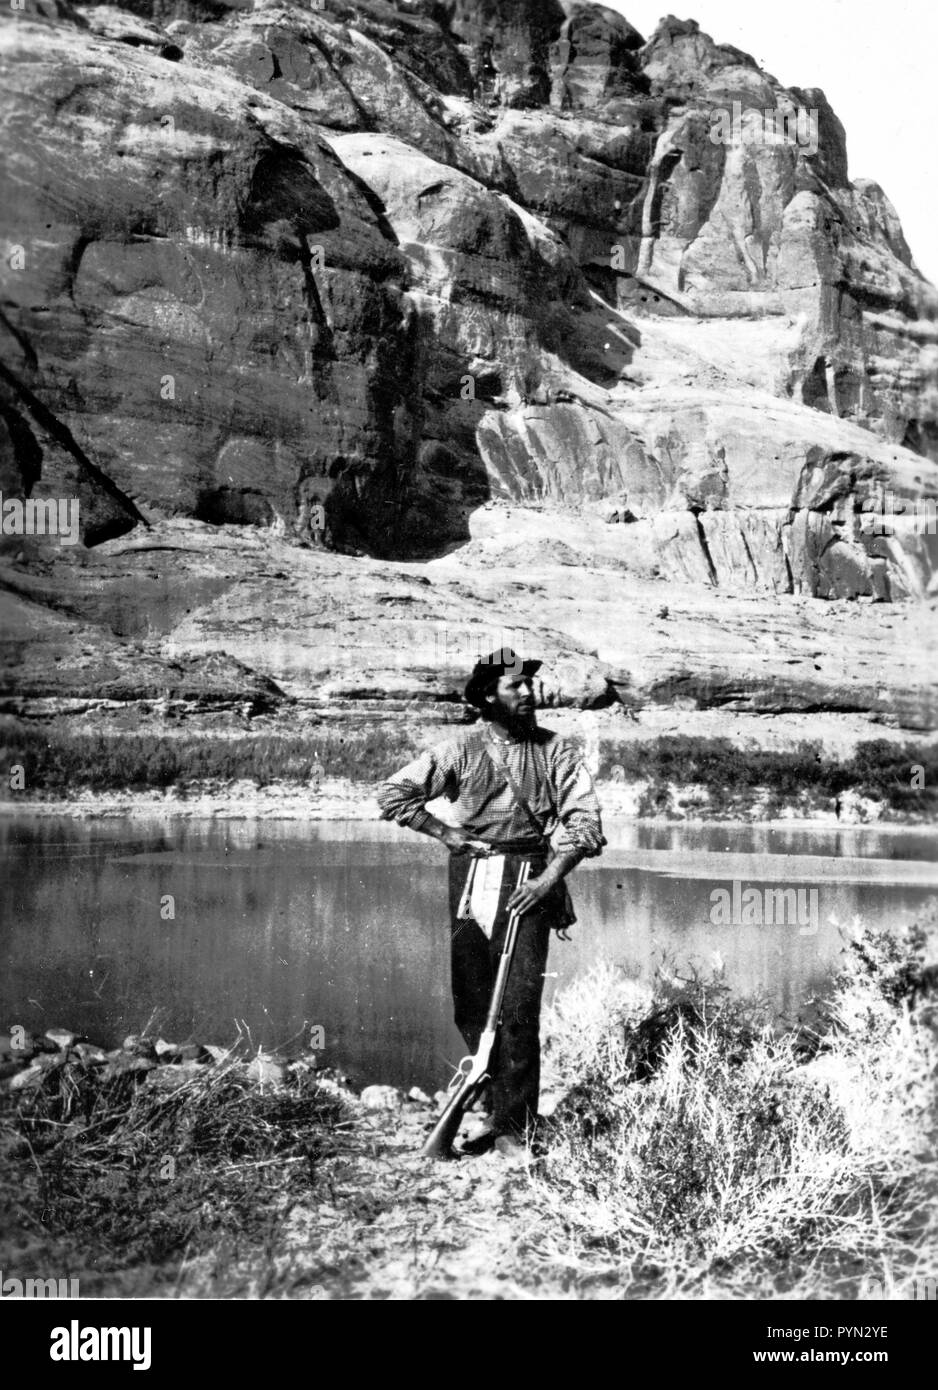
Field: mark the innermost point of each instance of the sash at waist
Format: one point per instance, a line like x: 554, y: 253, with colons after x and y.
x: 528, y: 848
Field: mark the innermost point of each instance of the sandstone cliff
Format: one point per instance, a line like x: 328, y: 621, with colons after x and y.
x: 474, y: 277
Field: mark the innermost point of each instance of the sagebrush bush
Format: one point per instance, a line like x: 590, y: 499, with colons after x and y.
x: 696, y: 1147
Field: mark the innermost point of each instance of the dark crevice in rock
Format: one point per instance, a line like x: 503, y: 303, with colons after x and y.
x: 164, y: 11
x: 702, y: 537
x: 25, y: 346
x: 365, y: 120
x: 74, y: 263
x: 284, y: 189
x: 85, y: 85
x: 620, y: 166
x: 668, y: 163
x: 374, y: 203
x: 867, y: 296
x: 233, y: 506
x: 128, y: 515
x: 27, y: 454
x: 921, y: 436
x: 749, y: 555
x: 325, y: 345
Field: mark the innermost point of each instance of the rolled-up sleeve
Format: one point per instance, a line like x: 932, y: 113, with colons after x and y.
x: 404, y: 796
x: 577, y: 805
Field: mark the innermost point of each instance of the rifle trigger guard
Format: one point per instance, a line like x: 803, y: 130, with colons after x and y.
x: 462, y: 1072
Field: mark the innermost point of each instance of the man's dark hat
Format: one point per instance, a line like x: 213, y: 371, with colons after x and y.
x: 488, y: 669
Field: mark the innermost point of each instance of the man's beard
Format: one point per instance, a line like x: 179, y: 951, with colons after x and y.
x: 519, y: 725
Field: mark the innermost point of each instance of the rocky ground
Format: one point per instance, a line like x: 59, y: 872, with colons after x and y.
x: 400, y: 1226
x: 435, y: 1230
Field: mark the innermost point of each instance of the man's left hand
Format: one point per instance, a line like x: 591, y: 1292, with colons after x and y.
x: 529, y: 894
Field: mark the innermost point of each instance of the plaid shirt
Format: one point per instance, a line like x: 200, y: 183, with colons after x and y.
x: 547, y: 768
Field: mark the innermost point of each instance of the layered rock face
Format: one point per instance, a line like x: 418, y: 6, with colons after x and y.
x: 393, y: 264
x: 393, y: 261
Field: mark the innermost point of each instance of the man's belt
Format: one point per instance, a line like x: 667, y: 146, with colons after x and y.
x: 524, y: 848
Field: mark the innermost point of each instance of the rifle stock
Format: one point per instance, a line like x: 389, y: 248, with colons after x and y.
x: 439, y: 1142
x: 441, y: 1137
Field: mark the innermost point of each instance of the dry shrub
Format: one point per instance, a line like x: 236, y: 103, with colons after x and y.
x: 697, y: 1150
x: 136, y: 1171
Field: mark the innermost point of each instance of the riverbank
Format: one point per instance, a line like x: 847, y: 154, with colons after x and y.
x: 687, y: 1152
x: 349, y: 801
x: 325, y: 765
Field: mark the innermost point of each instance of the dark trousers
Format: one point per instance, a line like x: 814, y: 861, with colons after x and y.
x: 516, y: 1070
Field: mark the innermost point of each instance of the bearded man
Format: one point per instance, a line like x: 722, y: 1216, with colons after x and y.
x: 520, y: 794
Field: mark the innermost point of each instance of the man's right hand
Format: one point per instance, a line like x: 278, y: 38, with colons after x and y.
x: 461, y: 842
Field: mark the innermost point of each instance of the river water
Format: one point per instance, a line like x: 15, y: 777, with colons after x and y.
x: 197, y: 927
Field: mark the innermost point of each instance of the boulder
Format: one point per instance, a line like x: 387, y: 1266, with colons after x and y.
x: 379, y: 1098
x: 181, y: 1052
x: 52, y: 1061
x: 26, y: 1079
x: 170, y: 1078
x: 580, y: 682
x: 127, y: 1064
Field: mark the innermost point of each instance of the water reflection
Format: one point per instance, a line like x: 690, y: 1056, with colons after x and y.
x: 287, y: 926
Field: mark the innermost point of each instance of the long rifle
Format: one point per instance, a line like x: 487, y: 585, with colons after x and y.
x: 473, y: 1072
